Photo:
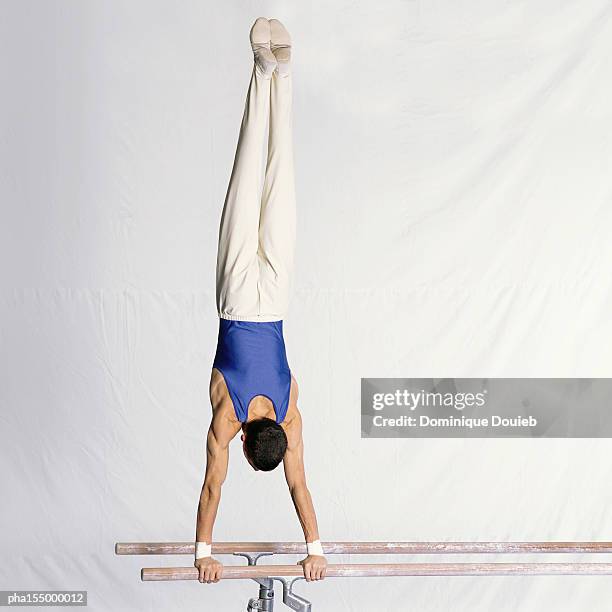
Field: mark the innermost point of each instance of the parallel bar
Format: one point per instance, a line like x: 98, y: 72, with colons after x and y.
x: 391, y: 569
x: 366, y: 548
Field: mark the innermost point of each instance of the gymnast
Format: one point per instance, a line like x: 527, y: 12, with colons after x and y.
x: 251, y: 387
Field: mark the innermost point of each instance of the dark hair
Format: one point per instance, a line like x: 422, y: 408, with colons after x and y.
x: 265, y: 443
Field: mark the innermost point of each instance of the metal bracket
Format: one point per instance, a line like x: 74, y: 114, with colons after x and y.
x: 265, y: 601
x: 291, y: 599
x: 252, y: 558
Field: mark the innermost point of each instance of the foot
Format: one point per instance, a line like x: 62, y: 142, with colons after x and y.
x: 280, y: 44
x: 265, y: 62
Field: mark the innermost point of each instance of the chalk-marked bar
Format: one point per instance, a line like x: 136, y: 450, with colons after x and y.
x: 390, y: 569
x: 365, y: 548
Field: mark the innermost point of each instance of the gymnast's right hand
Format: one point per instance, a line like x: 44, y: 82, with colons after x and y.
x: 210, y: 570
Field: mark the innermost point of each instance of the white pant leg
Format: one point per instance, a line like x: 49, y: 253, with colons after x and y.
x: 237, y: 259
x: 257, y: 236
x: 277, y: 221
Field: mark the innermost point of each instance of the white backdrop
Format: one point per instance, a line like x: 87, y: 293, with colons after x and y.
x: 454, y: 192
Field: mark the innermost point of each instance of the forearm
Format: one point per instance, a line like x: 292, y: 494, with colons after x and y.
x: 305, y: 511
x: 207, y: 512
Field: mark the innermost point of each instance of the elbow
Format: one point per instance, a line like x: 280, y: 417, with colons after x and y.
x: 211, y: 491
x: 298, y: 488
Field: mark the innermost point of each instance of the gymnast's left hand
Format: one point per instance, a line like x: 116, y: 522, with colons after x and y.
x: 314, y: 567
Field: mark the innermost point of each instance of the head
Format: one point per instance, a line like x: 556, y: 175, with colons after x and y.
x: 264, y: 443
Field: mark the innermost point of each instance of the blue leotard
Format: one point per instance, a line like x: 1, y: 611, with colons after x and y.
x: 252, y: 359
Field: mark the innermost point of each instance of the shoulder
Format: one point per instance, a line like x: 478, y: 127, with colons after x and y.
x: 292, y: 410
x: 292, y: 423
x: 294, y: 392
x: 217, y: 390
x: 224, y: 425
x: 216, y: 381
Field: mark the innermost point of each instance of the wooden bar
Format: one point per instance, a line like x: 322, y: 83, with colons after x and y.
x: 366, y: 548
x: 390, y: 569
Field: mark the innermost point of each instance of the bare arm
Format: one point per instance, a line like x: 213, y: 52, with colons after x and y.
x: 314, y: 566
x: 296, y: 480
x: 220, y: 433
x: 217, y: 456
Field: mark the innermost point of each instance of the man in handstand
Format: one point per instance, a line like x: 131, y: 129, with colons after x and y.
x: 251, y: 387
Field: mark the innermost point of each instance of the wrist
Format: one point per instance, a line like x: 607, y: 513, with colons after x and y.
x: 315, y: 548
x: 202, y: 550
